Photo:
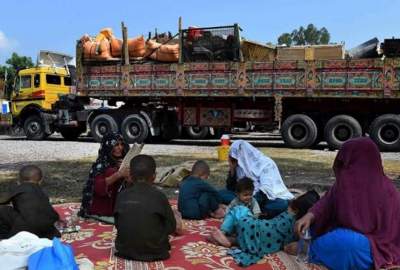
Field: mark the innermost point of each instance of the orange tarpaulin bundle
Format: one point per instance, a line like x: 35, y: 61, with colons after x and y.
x: 162, y: 52
x: 105, y: 33
x: 95, y: 49
x: 136, y: 46
x: 116, y: 47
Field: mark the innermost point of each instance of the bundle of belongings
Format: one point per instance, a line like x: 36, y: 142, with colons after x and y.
x: 26, y: 250
x: 106, y: 46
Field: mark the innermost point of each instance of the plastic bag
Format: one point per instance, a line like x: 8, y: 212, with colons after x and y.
x: 60, y: 256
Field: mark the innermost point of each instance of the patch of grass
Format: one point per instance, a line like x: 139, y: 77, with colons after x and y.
x: 301, y: 169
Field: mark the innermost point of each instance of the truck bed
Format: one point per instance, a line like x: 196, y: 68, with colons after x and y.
x: 365, y: 78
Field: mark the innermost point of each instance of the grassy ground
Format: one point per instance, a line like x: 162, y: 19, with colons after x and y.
x: 302, y: 169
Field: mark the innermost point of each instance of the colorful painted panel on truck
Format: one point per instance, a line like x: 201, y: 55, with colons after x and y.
x: 330, y: 78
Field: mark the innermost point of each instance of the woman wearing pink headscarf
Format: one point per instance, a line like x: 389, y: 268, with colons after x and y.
x: 357, y: 222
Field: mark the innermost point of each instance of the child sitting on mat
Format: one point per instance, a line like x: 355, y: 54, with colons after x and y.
x: 198, y: 199
x: 143, y: 215
x: 30, y: 209
x: 257, y: 237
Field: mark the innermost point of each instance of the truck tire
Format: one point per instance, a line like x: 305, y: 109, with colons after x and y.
x: 385, y: 132
x: 341, y: 128
x: 196, y: 132
x: 299, y: 131
x: 101, y: 125
x: 71, y: 134
x: 34, y: 128
x: 134, y: 129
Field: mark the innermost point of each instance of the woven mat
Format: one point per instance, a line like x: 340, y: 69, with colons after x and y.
x: 189, y: 251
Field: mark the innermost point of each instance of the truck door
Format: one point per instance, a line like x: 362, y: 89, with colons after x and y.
x: 22, y: 94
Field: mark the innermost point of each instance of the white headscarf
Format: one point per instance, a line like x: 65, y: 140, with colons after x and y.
x: 261, y: 169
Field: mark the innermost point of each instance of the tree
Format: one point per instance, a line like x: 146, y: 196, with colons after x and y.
x: 310, y: 35
x: 286, y: 39
x: 14, y: 64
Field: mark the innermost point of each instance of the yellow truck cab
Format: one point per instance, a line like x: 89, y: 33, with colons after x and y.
x: 36, y: 90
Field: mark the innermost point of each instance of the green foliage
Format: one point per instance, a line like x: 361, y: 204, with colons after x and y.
x: 285, y: 38
x: 14, y: 63
x: 310, y: 35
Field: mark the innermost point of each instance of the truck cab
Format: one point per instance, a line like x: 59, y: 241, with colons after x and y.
x: 36, y: 90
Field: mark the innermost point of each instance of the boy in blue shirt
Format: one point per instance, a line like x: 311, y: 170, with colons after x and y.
x: 198, y: 199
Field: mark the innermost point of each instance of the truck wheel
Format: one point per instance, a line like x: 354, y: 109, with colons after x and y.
x: 71, y: 134
x: 299, y: 131
x: 34, y: 128
x: 101, y: 125
x: 385, y: 131
x: 341, y: 128
x: 196, y: 132
x: 134, y: 129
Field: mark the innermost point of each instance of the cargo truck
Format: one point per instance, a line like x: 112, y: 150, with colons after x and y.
x: 213, y: 85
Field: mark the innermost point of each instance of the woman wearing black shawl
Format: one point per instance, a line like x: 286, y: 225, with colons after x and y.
x: 100, y: 191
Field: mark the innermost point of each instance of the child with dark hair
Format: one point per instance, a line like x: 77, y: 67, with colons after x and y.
x: 31, y: 210
x: 143, y: 215
x: 197, y: 198
x: 244, y: 196
x: 257, y: 237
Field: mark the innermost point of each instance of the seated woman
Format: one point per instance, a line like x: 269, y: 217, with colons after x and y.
x: 357, y: 222
x: 100, y: 191
x: 257, y: 237
x: 269, y: 190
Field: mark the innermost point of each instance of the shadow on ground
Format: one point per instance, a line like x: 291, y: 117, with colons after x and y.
x: 64, y: 180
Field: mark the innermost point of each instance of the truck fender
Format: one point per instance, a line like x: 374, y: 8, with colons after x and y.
x: 149, y: 122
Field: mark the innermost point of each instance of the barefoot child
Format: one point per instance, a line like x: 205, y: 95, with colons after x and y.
x: 259, y: 237
x: 31, y: 210
x: 198, y: 199
x: 244, y: 197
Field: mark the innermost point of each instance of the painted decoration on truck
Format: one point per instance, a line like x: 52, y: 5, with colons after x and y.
x: 331, y: 64
x: 331, y: 80
x: 350, y: 80
x: 397, y: 79
x: 253, y: 66
x: 259, y: 80
x: 365, y: 80
x: 141, y: 81
x: 292, y: 80
x: 221, y: 80
x: 189, y: 116
x: 215, y: 117
x: 252, y: 114
x: 365, y: 63
x: 209, y: 80
x: 103, y: 82
x: 163, y: 81
x: 197, y: 80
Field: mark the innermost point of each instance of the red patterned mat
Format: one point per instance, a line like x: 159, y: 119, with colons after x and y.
x: 189, y: 251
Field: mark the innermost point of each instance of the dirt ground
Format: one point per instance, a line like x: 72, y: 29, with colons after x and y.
x: 301, y: 169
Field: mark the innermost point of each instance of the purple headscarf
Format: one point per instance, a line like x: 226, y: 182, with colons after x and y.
x: 363, y: 199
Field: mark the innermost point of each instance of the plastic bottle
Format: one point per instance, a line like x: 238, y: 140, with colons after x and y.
x: 303, y: 247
